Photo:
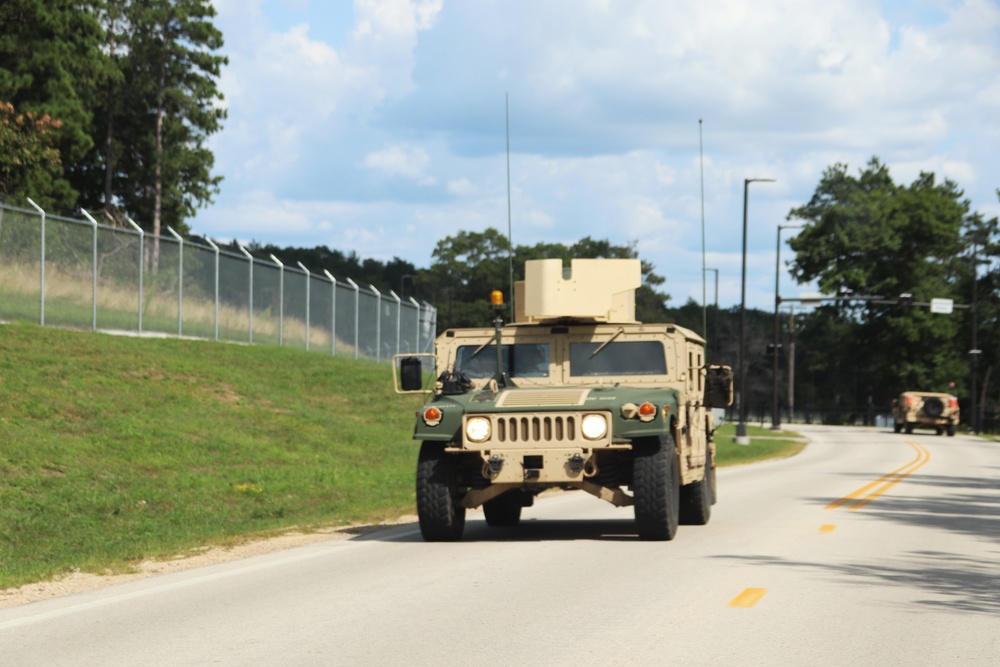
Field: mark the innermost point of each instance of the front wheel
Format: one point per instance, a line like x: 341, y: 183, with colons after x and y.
x: 656, y: 489
x: 897, y: 427
x: 442, y: 519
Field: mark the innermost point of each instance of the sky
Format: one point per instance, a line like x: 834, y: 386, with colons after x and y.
x: 379, y: 127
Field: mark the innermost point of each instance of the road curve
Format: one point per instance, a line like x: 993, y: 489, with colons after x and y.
x: 868, y: 548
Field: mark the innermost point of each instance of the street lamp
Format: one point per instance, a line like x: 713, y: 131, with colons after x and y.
x: 741, y: 427
x: 775, y: 417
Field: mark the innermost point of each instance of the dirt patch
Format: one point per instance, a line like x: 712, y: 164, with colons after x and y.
x: 78, y: 582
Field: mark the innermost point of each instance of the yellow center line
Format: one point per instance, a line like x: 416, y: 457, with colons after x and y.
x: 748, y: 598
x: 885, y: 482
x: 827, y: 528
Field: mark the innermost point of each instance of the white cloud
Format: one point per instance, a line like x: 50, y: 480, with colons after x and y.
x: 401, y: 160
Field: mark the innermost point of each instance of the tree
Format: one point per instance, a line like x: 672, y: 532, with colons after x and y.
x: 50, y: 58
x: 25, y: 148
x: 867, y: 236
x: 170, y: 72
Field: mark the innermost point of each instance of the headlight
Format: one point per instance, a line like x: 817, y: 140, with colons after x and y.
x: 477, y: 429
x: 594, y: 427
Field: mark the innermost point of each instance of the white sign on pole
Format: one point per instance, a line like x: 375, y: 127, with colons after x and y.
x: 810, y: 298
x: 943, y: 306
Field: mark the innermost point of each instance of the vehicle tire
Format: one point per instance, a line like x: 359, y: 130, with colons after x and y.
x: 656, y: 489
x: 897, y: 427
x: 951, y: 429
x: 442, y: 519
x: 696, y: 500
x: 909, y: 428
x: 939, y: 430
x: 933, y: 407
x: 503, y: 510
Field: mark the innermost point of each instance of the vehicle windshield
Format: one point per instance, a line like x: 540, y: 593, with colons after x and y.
x: 526, y: 360
x: 617, y: 358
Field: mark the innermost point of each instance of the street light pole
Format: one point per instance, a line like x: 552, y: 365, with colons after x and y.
x: 775, y: 417
x: 741, y: 427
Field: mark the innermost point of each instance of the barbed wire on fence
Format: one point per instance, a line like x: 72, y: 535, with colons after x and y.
x: 61, y: 271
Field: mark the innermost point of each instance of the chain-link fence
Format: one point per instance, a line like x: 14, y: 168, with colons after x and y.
x: 82, y: 274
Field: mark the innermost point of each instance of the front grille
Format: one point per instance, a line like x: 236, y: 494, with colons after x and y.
x: 536, y: 429
x: 526, y: 431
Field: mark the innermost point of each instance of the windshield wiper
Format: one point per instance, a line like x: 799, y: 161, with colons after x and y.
x: 605, y: 343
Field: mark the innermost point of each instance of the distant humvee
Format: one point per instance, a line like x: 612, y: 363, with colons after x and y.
x: 923, y: 409
x: 575, y: 394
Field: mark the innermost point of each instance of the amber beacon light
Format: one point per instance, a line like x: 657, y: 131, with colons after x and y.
x: 496, y: 297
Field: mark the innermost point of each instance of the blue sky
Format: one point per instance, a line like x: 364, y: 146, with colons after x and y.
x: 378, y: 126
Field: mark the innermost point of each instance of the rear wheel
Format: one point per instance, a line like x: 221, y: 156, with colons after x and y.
x: 656, y: 489
x: 503, y: 510
x: 951, y: 429
x: 897, y: 426
x: 442, y: 519
x: 909, y: 427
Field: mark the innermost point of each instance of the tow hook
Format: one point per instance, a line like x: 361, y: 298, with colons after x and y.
x: 575, y: 464
x: 495, y: 464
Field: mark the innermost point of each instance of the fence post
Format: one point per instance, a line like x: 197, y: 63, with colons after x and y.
x: 416, y: 339
x: 180, y: 281
x: 281, y: 300
x: 378, y: 323
x: 356, y: 289
x: 216, y: 249
x: 333, y: 314
x: 249, y: 257
x: 399, y: 317
x: 93, y: 316
x: 41, y: 277
x: 308, y: 280
x: 142, y: 263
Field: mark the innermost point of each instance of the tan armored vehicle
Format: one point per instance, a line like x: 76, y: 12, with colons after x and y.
x: 923, y: 409
x: 575, y: 394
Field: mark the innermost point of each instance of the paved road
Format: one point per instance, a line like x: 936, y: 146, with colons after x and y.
x: 869, y: 548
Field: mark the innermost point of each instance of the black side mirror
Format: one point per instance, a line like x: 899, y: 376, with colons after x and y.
x: 719, y: 387
x: 411, y: 374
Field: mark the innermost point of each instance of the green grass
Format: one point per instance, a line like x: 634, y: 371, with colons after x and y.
x: 764, y: 444
x: 114, y: 450
x: 119, y: 449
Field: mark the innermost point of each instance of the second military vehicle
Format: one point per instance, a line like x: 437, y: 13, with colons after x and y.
x: 575, y: 394
x: 925, y: 409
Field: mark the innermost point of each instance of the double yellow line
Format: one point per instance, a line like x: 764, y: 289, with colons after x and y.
x: 859, y: 499
x: 855, y: 501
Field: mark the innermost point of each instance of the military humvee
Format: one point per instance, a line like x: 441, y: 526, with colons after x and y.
x: 924, y: 409
x: 575, y: 394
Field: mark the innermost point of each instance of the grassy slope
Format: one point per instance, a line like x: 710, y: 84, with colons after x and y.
x: 116, y: 449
